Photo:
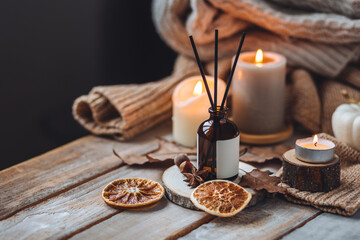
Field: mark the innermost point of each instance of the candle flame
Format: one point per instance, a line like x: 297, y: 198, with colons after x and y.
x: 198, y: 88
x: 259, y: 56
x: 315, y: 140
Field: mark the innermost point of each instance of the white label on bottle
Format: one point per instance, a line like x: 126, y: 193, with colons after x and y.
x: 227, y: 157
x: 197, y: 151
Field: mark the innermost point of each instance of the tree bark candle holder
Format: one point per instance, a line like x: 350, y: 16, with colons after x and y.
x: 314, y: 177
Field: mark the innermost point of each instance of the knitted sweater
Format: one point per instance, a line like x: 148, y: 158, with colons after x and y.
x: 321, y: 38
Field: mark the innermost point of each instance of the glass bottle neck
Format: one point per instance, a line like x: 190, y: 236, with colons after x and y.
x: 219, y: 113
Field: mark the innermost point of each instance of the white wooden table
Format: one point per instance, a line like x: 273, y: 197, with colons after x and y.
x: 57, y: 195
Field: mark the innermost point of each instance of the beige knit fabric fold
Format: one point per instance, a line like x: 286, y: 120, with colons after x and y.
x: 351, y: 75
x: 350, y: 8
x: 331, y: 98
x: 321, y: 42
x: 344, y: 200
x: 305, y: 106
x: 124, y: 111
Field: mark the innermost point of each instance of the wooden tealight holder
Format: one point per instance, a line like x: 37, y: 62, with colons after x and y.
x: 314, y: 177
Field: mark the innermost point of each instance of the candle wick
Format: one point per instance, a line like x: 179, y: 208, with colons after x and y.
x: 315, y: 144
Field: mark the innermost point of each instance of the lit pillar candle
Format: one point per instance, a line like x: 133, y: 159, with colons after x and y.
x: 258, y: 92
x: 190, y: 107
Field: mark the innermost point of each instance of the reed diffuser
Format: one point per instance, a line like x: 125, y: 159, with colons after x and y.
x: 218, y: 138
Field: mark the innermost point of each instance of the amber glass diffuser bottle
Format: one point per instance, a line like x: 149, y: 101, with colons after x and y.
x: 218, y: 143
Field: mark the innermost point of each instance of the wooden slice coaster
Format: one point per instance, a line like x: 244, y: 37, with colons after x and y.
x: 284, y: 134
x: 314, y: 177
x: 179, y: 192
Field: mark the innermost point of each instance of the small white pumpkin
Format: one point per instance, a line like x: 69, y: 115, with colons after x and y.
x: 346, y: 124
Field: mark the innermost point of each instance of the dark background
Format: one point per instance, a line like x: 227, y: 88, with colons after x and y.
x: 52, y: 51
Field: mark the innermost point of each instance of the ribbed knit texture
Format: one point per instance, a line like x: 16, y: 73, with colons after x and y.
x: 124, y: 111
x: 321, y: 42
x: 305, y: 106
x: 351, y: 75
x: 349, y: 8
x: 344, y: 200
x: 331, y: 98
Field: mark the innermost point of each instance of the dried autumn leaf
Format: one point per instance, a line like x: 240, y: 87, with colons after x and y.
x: 136, y: 155
x: 155, y: 151
x: 168, y: 150
x: 160, y: 157
x: 259, y: 180
x: 259, y: 155
x: 280, y: 149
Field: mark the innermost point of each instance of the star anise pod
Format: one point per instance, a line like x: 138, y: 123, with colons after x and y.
x: 196, y: 177
x: 193, y: 176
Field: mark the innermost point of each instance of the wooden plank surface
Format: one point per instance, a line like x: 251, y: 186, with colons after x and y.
x: 71, y: 211
x: 80, y: 208
x: 267, y: 220
x: 58, y: 195
x: 156, y: 223
x: 81, y: 211
x: 330, y: 227
x: 61, y: 169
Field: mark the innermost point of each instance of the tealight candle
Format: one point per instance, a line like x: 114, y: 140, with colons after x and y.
x: 258, y: 95
x: 314, y: 150
x: 190, y: 108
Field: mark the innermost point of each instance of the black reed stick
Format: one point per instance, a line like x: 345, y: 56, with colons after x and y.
x: 233, y: 70
x: 213, y: 142
x: 216, y: 69
x: 202, y: 72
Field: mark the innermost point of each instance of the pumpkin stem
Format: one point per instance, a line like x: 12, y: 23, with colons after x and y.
x: 348, y: 98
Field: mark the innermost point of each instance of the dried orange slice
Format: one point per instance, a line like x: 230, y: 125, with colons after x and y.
x: 132, y: 192
x: 220, y: 198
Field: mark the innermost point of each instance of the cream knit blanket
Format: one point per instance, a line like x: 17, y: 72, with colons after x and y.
x: 322, y: 36
x: 324, y: 42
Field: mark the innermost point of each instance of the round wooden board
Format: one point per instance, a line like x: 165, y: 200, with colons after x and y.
x: 314, y: 177
x: 284, y: 134
x: 179, y: 192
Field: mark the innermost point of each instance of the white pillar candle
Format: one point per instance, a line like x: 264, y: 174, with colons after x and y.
x: 191, y: 107
x: 258, y: 92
